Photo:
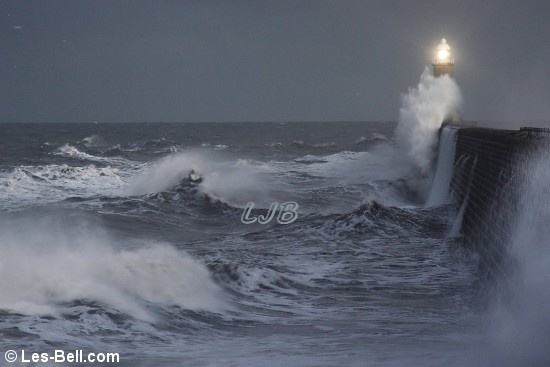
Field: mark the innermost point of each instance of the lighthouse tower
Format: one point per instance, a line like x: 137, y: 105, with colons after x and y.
x: 443, y: 62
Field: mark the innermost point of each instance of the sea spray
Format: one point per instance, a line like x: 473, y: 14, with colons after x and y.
x: 519, y: 321
x: 423, y: 110
x: 49, y: 264
x: 235, y: 182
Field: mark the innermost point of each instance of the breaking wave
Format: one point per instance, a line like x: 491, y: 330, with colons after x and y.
x: 424, y: 110
x: 233, y: 182
x: 376, y: 219
x: 45, y: 270
x: 40, y: 184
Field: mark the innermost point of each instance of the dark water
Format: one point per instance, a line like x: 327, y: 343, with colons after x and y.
x: 108, y: 246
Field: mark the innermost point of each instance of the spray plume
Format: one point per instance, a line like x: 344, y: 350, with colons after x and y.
x: 423, y: 110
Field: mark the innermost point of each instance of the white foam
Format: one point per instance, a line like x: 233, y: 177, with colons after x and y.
x: 72, y: 152
x: 31, y: 185
x: 423, y: 111
x: 42, y: 268
x: 356, y: 167
x: 93, y: 140
x: 235, y: 182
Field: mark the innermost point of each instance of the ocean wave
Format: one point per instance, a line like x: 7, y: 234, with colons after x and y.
x: 249, y: 279
x: 215, y: 146
x: 311, y: 159
x: 114, y: 150
x: 161, y: 142
x: 175, y: 148
x: 111, y: 156
x: 26, y: 185
x: 301, y: 145
x: 380, y: 220
x: 364, y: 143
x: 231, y: 182
x: 44, y: 270
x: 189, y: 195
x: 354, y: 166
x: 70, y: 151
x: 93, y: 140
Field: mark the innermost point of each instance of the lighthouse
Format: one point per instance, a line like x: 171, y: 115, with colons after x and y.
x: 443, y: 62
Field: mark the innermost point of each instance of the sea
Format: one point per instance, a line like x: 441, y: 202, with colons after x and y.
x: 167, y: 244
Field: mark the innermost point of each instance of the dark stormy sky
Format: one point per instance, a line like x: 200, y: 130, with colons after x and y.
x: 262, y: 60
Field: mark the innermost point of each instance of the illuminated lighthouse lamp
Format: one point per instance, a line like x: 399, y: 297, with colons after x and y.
x: 443, y: 62
x: 444, y: 52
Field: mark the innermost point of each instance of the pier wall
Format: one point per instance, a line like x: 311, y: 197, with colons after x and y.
x: 485, y: 184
